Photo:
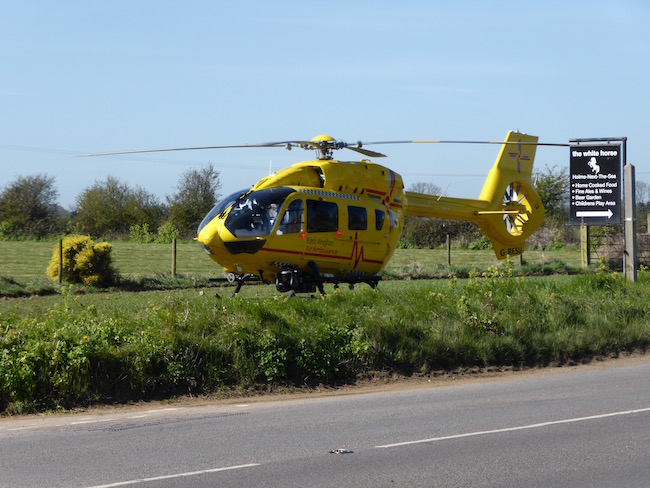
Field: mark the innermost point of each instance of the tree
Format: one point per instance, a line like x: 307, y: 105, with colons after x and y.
x: 423, y: 232
x: 197, y: 193
x: 112, y: 207
x: 28, y: 206
x: 552, y: 185
x: 642, y: 194
x: 145, y: 208
x: 425, y: 187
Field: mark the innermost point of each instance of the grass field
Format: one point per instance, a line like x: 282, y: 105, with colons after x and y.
x: 29, y: 259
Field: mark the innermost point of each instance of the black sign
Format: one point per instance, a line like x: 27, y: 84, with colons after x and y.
x: 595, y: 173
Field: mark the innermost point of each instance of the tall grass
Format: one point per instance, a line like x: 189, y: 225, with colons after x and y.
x: 80, y: 349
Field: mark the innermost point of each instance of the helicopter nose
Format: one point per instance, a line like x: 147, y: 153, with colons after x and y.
x: 209, y: 237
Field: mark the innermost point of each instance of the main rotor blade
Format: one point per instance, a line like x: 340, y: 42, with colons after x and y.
x: 439, y: 141
x: 286, y: 144
x: 321, y: 145
x: 366, y: 152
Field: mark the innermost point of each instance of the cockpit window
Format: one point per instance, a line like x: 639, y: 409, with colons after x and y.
x: 221, y: 205
x: 254, y: 214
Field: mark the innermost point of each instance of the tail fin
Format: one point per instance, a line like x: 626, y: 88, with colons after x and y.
x: 508, y: 210
x: 515, y: 210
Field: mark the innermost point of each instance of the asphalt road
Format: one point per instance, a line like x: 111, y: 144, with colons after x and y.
x: 564, y: 427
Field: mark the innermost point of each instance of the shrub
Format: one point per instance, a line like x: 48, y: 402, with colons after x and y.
x: 84, y: 262
x: 9, y: 229
x: 481, y: 243
x: 167, y: 232
x: 140, y: 233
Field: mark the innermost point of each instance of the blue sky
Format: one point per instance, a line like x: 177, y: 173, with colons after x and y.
x: 83, y: 76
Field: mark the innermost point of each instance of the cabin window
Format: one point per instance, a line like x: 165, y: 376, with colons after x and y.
x: 357, y: 218
x: 379, y: 219
x: 291, y: 222
x: 322, y: 216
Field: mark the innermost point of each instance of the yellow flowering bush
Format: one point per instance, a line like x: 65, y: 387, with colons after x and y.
x: 84, y: 262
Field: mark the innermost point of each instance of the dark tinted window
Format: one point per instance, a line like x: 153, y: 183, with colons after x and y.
x: 379, y: 219
x: 357, y: 218
x: 322, y: 216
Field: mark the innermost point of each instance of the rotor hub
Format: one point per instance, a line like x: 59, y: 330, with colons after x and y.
x: 325, y: 146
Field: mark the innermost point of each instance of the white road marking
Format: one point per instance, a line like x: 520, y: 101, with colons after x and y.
x: 91, y: 421
x: 512, y: 429
x: 157, y: 410
x: 171, y: 476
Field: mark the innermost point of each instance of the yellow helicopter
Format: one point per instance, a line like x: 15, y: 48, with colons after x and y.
x: 328, y: 221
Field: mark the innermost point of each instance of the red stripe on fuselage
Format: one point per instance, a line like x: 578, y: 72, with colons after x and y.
x: 282, y: 251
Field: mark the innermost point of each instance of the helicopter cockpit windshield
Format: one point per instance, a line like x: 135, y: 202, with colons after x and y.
x: 221, y: 205
x: 254, y: 214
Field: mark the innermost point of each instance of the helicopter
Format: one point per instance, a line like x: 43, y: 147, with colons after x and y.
x: 330, y: 221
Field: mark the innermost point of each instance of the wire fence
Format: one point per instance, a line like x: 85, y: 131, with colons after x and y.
x: 610, y: 247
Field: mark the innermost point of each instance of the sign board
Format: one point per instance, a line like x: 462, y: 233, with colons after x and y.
x: 595, y: 173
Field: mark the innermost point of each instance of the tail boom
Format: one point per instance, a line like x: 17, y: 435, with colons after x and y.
x: 508, y: 209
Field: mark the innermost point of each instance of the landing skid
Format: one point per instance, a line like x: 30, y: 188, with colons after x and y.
x: 239, y: 281
x: 296, y: 281
x: 372, y: 282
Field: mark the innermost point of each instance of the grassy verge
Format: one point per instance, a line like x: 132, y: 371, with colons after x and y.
x: 70, y: 350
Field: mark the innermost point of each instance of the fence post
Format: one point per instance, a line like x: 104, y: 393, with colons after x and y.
x: 449, y: 249
x: 174, y: 258
x: 585, y: 251
x: 629, y: 253
x: 60, y: 261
